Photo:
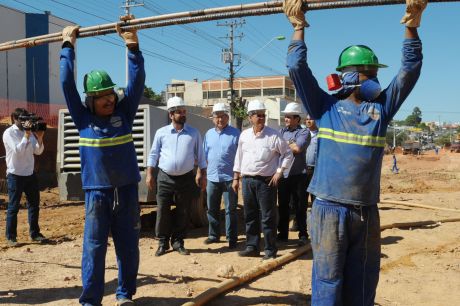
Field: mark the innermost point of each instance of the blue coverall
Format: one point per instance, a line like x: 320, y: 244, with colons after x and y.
x: 344, y: 226
x: 110, y: 176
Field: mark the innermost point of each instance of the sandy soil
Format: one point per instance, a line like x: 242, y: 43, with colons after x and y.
x: 420, y: 266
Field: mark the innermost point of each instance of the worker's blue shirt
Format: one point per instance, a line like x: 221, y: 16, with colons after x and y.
x: 107, y: 154
x: 176, y: 152
x: 351, y: 137
x: 301, y: 137
x: 312, y: 149
x: 220, y: 150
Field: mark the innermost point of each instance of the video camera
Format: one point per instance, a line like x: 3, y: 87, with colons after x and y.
x: 37, y: 122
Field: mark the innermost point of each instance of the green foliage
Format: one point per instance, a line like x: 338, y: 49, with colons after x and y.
x: 400, y: 138
x: 415, y: 118
x: 150, y: 94
x: 443, y: 140
x: 424, y: 127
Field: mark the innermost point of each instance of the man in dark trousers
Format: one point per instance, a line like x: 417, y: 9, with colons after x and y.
x: 292, y: 188
x: 345, y: 223
x: 109, y: 169
x: 174, y: 151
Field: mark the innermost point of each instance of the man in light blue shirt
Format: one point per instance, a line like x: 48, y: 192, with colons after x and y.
x: 220, y: 144
x: 311, y: 152
x: 174, y: 151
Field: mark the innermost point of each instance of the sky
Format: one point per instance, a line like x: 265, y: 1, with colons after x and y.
x: 192, y: 51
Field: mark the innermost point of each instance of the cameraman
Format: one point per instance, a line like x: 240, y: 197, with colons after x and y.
x: 20, y: 146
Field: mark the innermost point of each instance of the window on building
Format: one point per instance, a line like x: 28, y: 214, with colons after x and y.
x: 273, y: 91
x: 205, y: 94
x: 246, y: 93
x: 214, y: 94
x: 290, y: 92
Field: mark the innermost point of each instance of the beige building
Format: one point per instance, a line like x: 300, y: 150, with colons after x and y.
x: 276, y: 91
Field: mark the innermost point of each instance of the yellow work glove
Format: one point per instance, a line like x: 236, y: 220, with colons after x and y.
x: 294, y: 12
x: 69, y: 34
x: 414, y: 9
x: 129, y: 36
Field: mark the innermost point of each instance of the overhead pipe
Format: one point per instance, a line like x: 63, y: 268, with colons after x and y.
x: 234, y: 11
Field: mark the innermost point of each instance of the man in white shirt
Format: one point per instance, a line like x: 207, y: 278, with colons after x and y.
x: 261, y: 158
x: 20, y: 146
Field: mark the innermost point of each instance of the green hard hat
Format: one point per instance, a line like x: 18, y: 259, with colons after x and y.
x: 97, y: 80
x: 358, y: 55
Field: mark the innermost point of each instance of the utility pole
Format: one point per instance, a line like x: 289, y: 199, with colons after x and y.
x: 127, y: 5
x: 228, y: 57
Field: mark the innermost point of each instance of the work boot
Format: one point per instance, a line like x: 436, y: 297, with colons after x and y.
x: 269, y: 256
x: 303, y: 240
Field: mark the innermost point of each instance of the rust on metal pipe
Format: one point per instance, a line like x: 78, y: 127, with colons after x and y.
x: 234, y: 11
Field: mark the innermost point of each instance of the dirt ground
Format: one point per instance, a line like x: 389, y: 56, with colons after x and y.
x: 420, y: 266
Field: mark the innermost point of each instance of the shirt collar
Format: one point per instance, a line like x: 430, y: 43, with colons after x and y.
x: 185, y: 128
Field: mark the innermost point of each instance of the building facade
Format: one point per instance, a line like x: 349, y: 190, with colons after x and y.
x: 30, y: 75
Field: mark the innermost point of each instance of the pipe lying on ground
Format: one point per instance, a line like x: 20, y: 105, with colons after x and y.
x: 234, y: 11
x: 418, y: 205
x: 270, y: 265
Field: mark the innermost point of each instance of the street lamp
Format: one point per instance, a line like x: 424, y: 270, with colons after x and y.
x: 280, y: 37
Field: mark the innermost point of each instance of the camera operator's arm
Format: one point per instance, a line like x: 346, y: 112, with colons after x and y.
x: 39, y: 147
x: 12, y: 144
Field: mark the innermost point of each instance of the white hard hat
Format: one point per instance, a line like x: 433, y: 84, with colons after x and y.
x: 174, y: 102
x: 220, y: 107
x: 256, y: 105
x: 293, y: 108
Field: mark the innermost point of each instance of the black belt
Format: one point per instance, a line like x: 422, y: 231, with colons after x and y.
x: 258, y: 177
x: 177, y: 176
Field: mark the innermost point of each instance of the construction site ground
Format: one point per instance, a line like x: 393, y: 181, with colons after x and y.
x: 420, y: 265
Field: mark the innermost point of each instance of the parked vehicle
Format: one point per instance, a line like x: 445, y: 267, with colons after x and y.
x: 411, y: 147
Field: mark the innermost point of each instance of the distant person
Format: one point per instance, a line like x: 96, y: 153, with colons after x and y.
x: 312, y: 150
x: 436, y: 150
x: 109, y: 169
x: 21, y: 144
x: 345, y: 223
x: 175, y: 149
x: 395, y: 168
x: 292, y: 189
x: 261, y: 159
x: 220, y: 144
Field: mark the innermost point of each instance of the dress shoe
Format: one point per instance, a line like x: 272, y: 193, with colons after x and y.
x: 181, y: 250
x: 249, y: 252
x: 267, y: 257
x: 232, y: 244
x: 12, y: 242
x: 39, y: 238
x: 161, y: 250
x: 211, y: 240
x: 303, y: 240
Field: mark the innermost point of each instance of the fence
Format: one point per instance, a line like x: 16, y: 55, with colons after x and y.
x: 49, y: 112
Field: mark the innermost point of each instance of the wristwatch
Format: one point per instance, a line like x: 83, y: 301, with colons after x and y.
x: 279, y: 170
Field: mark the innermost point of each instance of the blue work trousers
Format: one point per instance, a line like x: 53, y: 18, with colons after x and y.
x: 260, y: 213
x: 16, y: 186
x: 215, y: 191
x: 345, y: 240
x: 116, y: 211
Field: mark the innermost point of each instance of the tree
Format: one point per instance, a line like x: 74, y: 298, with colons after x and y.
x: 150, y: 94
x: 415, y: 118
x: 239, y: 111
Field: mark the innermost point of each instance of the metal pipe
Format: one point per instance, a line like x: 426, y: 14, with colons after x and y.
x: 234, y: 11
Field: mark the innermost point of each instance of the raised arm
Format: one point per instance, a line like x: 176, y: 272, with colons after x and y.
x: 66, y: 67
x: 136, y: 71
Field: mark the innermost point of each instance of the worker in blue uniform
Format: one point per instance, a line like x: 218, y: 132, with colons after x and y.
x: 345, y: 225
x: 109, y: 169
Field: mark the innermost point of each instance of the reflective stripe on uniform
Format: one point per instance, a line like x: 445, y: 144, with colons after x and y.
x: 371, y: 141
x: 105, y: 142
